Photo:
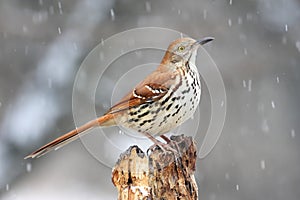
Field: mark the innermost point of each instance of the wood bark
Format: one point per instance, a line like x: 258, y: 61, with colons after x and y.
x: 163, y: 175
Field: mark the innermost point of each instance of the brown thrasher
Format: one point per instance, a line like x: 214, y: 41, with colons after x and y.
x: 162, y: 101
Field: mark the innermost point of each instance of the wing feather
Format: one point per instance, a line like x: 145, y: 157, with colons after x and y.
x: 154, y: 87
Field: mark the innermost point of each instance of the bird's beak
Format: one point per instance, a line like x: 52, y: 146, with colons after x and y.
x: 204, y: 40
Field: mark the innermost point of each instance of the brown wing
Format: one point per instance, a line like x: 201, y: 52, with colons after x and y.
x: 154, y: 87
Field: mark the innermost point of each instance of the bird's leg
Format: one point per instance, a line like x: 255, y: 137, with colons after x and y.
x: 165, y: 138
x: 162, y: 146
x: 155, y: 141
x: 170, y: 141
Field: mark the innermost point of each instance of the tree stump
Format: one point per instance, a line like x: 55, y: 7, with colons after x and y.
x: 162, y: 175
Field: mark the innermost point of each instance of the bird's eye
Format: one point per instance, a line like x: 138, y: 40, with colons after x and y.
x: 181, y: 48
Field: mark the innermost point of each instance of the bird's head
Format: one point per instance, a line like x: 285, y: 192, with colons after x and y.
x: 184, y: 49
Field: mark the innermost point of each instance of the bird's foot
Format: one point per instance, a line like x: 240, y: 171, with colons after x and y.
x: 165, y: 147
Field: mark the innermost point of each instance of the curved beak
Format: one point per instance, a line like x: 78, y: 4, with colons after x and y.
x: 205, y: 40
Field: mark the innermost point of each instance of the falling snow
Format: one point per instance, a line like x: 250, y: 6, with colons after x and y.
x: 7, y: 187
x: 40, y: 17
x: 0, y: 104
x: 59, y: 30
x: 277, y: 79
x: 244, y: 84
x: 273, y: 104
x: 148, y: 6
x: 293, y: 133
x: 121, y: 132
x: 263, y: 164
x: 112, y: 14
x: 28, y: 167
x: 286, y: 28
x: 230, y: 2
x: 249, y: 85
x: 245, y: 51
x: 237, y: 187
x: 60, y: 8
x: 229, y: 22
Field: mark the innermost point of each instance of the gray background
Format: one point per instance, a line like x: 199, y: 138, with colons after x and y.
x: 257, y: 50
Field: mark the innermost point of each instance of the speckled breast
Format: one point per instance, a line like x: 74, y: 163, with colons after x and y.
x: 177, y: 105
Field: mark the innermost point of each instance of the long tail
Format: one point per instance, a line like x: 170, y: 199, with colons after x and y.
x: 106, y: 120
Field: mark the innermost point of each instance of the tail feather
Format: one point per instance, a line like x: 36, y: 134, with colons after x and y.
x: 105, y: 120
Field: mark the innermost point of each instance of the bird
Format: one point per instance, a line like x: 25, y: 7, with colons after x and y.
x: 165, y: 99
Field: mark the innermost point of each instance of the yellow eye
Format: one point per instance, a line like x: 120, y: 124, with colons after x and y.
x: 181, y: 48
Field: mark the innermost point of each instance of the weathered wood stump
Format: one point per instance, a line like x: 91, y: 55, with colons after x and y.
x: 160, y: 175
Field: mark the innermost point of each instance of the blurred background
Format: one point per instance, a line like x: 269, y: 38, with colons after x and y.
x: 257, y: 50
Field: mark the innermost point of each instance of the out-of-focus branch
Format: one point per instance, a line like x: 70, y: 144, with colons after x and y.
x: 161, y: 175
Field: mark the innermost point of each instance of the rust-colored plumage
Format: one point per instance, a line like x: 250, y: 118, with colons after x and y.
x: 162, y: 101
